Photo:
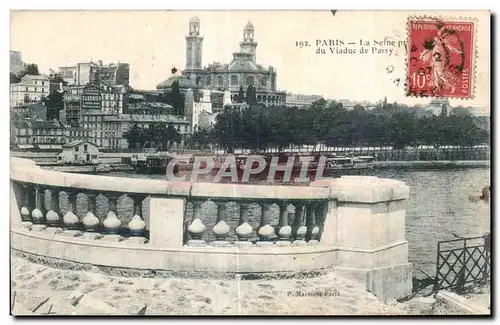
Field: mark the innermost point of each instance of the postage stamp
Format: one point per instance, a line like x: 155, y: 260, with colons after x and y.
x: 440, y: 58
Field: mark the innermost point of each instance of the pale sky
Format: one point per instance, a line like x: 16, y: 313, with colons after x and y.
x: 153, y: 42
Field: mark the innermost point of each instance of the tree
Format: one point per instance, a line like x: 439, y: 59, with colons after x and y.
x: 29, y: 69
x: 58, y: 80
x: 251, y: 97
x: 256, y: 127
x: 460, y: 111
x: 241, y: 95
x: 54, y: 103
x: 135, y: 137
x: 14, y: 79
x: 176, y: 99
x: 200, y: 138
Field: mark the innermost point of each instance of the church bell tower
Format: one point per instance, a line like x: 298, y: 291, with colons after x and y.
x: 249, y: 45
x: 194, y: 44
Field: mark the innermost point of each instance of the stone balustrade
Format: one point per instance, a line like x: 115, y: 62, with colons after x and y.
x: 353, y: 225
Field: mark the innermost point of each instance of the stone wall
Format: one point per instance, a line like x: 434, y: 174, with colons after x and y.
x: 354, y: 225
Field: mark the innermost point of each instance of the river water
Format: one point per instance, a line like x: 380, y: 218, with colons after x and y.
x: 437, y: 207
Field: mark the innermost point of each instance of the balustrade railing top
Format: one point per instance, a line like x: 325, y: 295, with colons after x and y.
x: 25, y: 171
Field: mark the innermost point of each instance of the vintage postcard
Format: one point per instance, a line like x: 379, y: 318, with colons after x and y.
x: 326, y: 162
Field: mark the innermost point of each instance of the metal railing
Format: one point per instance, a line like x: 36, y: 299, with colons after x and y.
x: 462, y: 262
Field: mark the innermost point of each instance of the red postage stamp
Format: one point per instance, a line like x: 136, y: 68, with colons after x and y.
x: 440, y: 58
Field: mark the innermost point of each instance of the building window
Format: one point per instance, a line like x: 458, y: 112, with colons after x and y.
x: 43, y: 83
x: 26, y: 88
x: 198, y: 81
x: 35, y: 82
x: 220, y: 81
x: 263, y: 81
x: 76, y: 149
x: 234, y: 80
x: 207, y: 82
x: 85, y: 147
x: 250, y: 81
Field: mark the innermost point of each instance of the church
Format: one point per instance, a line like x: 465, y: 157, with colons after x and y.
x: 243, y: 70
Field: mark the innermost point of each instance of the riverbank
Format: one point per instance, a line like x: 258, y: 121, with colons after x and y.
x: 90, y: 169
x: 435, y: 164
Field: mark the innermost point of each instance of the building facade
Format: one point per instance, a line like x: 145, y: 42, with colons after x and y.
x: 79, y: 152
x: 107, y: 130
x: 242, y: 71
x: 30, y: 89
x: 300, y: 100
x: 72, y: 105
x: 22, y: 133
x: 85, y: 72
x: 111, y: 74
x: 48, y: 133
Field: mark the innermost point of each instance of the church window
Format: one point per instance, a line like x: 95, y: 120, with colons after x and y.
x: 220, y: 81
x: 234, y: 80
x: 250, y: 81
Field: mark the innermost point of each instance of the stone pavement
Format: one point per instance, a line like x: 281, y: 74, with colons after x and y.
x: 40, y: 290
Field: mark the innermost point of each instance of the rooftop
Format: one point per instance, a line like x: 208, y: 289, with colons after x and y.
x: 54, y: 124
x: 183, y: 81
x: 76, y: 143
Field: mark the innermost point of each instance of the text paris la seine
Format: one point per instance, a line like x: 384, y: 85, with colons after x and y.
x: 361, y: 46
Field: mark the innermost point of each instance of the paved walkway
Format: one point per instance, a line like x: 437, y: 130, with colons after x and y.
x: 42, y: 290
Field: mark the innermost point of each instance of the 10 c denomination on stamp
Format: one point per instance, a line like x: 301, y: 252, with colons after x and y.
x: 440, y: 58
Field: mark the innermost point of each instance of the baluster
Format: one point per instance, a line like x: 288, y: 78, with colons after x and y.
x: 284, y: 230
x: 196, y: 228
x: 52, y: 216
x: 37, y: 213
x: 112, y: 224
x: 300, y: 228
x: 244, y: 230
x: 136, y: 225
x: 312, y: 228
x: 321, y: 212
x: 70, y: 219
x: 91, y: 221
x: 25, y: 209
x: 266, y: 232
x: 221, y: 229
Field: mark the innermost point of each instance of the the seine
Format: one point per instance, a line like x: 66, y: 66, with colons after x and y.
x: 438, y: 207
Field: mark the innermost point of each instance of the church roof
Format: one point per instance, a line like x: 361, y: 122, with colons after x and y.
x: 182, y: 80
x: 242, y: 65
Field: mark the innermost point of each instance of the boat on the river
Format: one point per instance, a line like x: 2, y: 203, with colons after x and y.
x: 348, y: 163
x: 150, y: 164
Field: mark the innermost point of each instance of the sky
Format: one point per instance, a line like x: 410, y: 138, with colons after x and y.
x: 153, y: 42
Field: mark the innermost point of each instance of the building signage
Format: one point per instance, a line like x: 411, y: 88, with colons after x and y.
x: 91, y: 97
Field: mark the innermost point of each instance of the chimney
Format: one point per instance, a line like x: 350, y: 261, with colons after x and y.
x: 99, y: 63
